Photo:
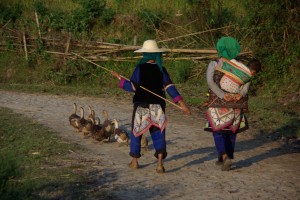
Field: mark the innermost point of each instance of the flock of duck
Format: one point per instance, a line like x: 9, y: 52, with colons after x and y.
x: 92, y: 127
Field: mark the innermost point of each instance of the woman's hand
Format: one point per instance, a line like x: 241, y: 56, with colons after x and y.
x: 237, y: 97
x: 184, y: 107
x: 229, y: 97
x: 232, y: 97
x: 115, y: 74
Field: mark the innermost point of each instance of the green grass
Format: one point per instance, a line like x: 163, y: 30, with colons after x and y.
x: 29, y: 157
x: 270, y: 116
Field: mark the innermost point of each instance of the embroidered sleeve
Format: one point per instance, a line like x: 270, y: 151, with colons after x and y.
x: 170, y: 87
x: 210, y: 79
x: 130, y: 86
x: 126, y: 85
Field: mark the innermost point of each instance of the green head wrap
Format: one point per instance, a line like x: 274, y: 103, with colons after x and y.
x: 153, y: 56
x: 228, y: 48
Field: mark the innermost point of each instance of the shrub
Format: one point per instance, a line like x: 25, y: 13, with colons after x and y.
x: 180, y: 71
x: 10, y: 12
x: 107, y: 16
x: 151, y: 20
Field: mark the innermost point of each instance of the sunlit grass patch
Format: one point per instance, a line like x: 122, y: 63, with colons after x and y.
x: 29, y: 157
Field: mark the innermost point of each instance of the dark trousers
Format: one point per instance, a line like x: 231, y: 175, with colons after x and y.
x: 158, y: 139
x: 225, y: 143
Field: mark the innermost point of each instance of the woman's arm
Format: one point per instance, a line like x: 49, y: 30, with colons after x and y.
x: 210, y: 80
x: 129, y: 86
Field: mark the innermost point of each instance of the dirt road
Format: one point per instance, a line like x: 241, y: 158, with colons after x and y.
x: 263, y: 168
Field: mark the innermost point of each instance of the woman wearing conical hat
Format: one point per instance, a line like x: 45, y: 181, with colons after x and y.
x: 149, y: 109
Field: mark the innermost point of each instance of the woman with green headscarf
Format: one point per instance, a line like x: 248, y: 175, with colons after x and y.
x: 228, y: 81
x: 149, y: 109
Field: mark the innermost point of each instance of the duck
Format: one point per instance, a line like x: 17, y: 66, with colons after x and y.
x: 73, y: 117
x: 81, y: 122
x: 88, y: 128
x: 121, y: 135
x: 99, y: 131
x: 107, y: 126
x: 92, y: 113
x: 96, y: 127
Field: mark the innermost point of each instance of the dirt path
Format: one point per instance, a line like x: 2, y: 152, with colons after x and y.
x: 263, y: 168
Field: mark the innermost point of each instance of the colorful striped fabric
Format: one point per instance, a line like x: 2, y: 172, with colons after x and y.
x: 238, y: 73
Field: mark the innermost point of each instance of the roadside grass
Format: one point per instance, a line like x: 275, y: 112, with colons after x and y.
x: 34, y: 163
x: 272, y: 117
x: 81, y: 90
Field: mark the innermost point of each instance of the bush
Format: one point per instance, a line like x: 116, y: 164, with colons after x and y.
x: 180, y: 71
x: 273, y: 31
x: 10, y: 12
x: 151, y: 20
x: 107, y: 16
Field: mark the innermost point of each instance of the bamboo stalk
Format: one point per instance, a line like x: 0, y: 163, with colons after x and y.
x: 67, y: 45
x: 200, y: 32
x: 25, y: 46
x: 38, y: 23
x: 58, y: 53
x: 204, y: 51
x: 5, y: 25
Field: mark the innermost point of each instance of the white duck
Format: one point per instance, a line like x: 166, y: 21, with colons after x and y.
x: 121, y: 135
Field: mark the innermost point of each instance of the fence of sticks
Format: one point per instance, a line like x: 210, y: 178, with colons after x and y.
x: 63, y: 44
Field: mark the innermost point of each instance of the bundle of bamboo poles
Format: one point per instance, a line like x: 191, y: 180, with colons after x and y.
x: 92, y: 50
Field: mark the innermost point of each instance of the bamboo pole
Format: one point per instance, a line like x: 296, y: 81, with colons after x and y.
x: 200, y: 32
x: 37, y: 23
x: 67, y: 45
x: 25, y: 46
x: 5, y: 25
x: 129, y: 80
x: 134, y: 40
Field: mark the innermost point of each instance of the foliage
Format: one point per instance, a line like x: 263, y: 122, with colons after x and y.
x: 107, y: 16
x: 180, y: 70
x: 274, y: 29
x: 151, y: 19
x: 94, y: 8
x: 8, y: 170
x: 28, y: 156
x: 41, y: 9
x: 200, y: 10
x: 81, y: 19
x: 10, y: 12
x: 57, y: 20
